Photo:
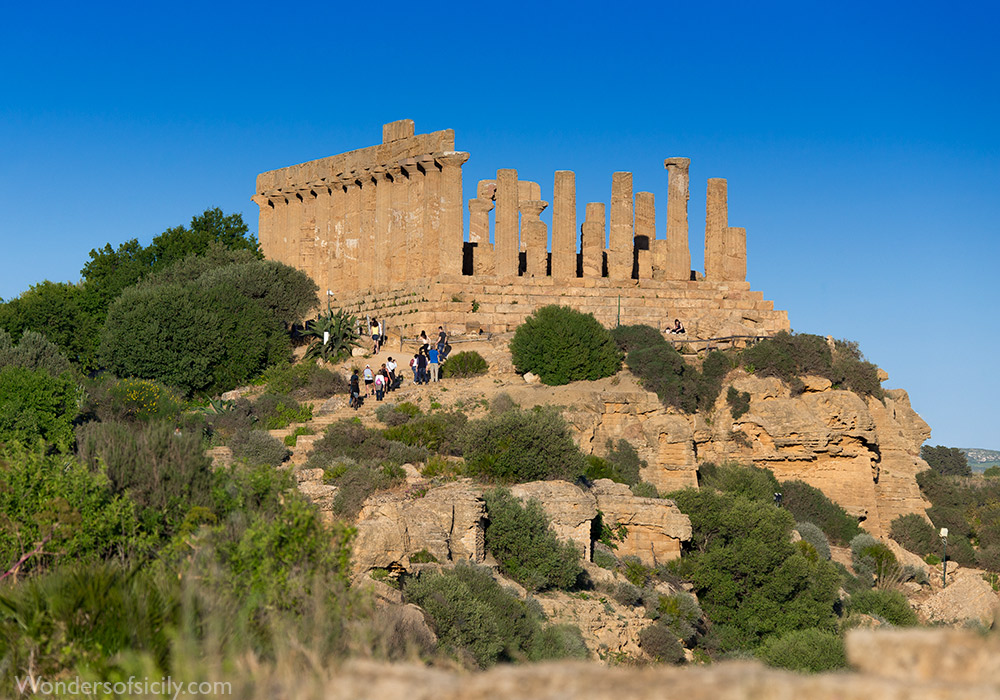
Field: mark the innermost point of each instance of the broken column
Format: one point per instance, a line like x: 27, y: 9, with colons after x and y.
x: 592, y: 240
x: 645, y: 232
x: 479, y: 235
x: 716, y: 221
x: 535, y: 235
x: 677, y: 263
x: 620, y: 247
x: 735, y: 254
x: 506, y: 247
x: 564, y: 225
x: 452, y: 232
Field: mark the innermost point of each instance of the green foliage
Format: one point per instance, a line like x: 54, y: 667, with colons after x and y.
x: 970, y: 509
x: 680, y: 613
x: 750, y: 580
x: 259, y: 447
x: 661, y: 644
x: 947, y: 461
x: 872, y: 560
x: 517, y: 446
x: 629, y: 338
x: 915, y: 534
x: 809, y: 504
x: 131, y: 400
x: 806, y: 650
x: 464, y: 364
x: 644, y: 489
x: 34, y: 352
x: 753, y: 483
x: 439, y: 432
x: 55, y: 500
x: 65, y: 312
x: 622, y: 464
x: 397, y: 414
x: 605, y: 559
x: 293, y: 439
x: 165, y: 472
x: 992, y: 472
x: 356, y: 482
x: 814, y: 536
x: 891, y: 606
x: 276, y: 411
x: 635, y: 572
x: 304, y: 380
x: 662, y: 370
x: 344, y: 337
x: 739, y: 402
x: 34, y: 405
x: 562, y: 345
x: 525, y: 546
x: 713, y: 370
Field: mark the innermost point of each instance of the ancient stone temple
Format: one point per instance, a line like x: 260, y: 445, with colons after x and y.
x: 380, y: 230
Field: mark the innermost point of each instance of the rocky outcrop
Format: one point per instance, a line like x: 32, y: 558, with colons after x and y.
x: 967, y: 598
x: 571, y: 510
x: 609, y: 630
x: 655, y: 528
x: 312, y: 486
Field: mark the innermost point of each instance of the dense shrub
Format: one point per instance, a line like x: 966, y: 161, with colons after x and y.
x: 356, y: 482
x: 259, y: 447
x: 992, y: 472
x: 872, y: 560
x: 65, y: 312
x: 713, y: 370
x: 681, y: 614
x: 305, y: 380
x: 525, y: 546
x: 518, y: 445
x: 629, y: 338
x: 276, y: 411
x: 33, y: 351
x: 165, y: 472
x: 661, y: 644
x: 397, y: 414
x: 662, y: 370
x: 809, y: 650
x: 438, y: 432
x: 130, y: 400
x: 562, y: 345
x: 809, y: 504
x: 815, y: 537
x: 739, y: 402
x: 553, y: 642
x: 915, y: 534
x: 622, y: 464
x: 644, y: 489
x: 349, y: 438
x: 947, y: 461
x: 751, y: 482
x: 35, y: 405
x: 891, y: 606
x: 464, y: 364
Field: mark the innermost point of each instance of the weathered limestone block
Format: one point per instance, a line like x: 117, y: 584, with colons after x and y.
x: 967, y: 598
x: 607, y: 626
x: 447, y: 522
x: 592, y: 233
x: 311, y: 485
x: 656, y: 528
x: 920, y: 656
x: 570, y: 508
x: 716, y: 222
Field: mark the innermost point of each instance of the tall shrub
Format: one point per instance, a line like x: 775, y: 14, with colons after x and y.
x: 562, y: 345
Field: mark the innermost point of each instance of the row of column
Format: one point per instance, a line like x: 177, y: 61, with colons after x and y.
x: 632, y: 250
x: 371, y: 228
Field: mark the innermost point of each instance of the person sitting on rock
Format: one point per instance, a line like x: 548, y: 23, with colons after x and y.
x: 678, y: 328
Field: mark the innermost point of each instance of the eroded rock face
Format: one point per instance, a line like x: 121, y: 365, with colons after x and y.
x: 609, y: 629
x: 571, y: 510
x: 656, y: 527
x: 966, y: 598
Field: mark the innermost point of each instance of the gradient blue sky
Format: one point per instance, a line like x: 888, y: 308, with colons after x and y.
x: 860, y: 140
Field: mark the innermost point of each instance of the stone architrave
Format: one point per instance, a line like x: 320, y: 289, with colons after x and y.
x: 535, y: 237
x: 452, y: 231
x: 383, y: 203
x: 645, y: 232
x: 431, y: 234
x: 397, y: 234
x: 621, y: 245
x: 506, y: 247
x: 413, y: 219
x: 678, y: 253
x: 479, y: 235
x: 735, y: 254
x: 367, y: 253
x: 716, y: 221
x: 352, y: 232
x: 592, y: 240
x: 564, y: 225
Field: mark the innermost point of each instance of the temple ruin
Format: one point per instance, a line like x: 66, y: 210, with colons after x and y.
x: 380, y: 230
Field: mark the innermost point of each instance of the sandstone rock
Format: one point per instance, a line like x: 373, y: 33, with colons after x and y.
x: 569, y: 507
x: 921, y: 655
x: 608, y: 628
x: 310, y: 484
x: 966, y: 598
x: 332, y: 405
x: 531, y: 378
x: 656, y: 528
x: 447, y: 522
x: 815, y: 384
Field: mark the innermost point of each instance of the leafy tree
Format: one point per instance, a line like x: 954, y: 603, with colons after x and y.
x: 562, y: 345
x: 948, y: 461
x: 34, y: 351
x: 35, y: 405
x: 64, y: 311
x: 809, y: 650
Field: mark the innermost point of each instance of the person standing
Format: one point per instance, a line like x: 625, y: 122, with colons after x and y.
x: 369, y: 380
x: 421, y: 368
x: 442, y: 342
x: 355, y: 391
x: 432, y: 361
x: 391, y: 368
x: 379, y: 386
x: 413, y: 366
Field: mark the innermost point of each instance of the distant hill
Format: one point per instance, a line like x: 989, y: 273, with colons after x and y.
x: 979, y: 459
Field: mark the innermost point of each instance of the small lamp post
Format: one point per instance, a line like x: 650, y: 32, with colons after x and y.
x: 944, y: 557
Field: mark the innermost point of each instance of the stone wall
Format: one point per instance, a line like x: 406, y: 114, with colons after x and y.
x: 386, y: 221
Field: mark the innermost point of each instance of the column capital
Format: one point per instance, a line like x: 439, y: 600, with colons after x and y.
x: 410, y: 166
x: 394, y: 170
x: 451, y: 158
x: 380, y: 173
x: 532, y: 207
x: 677, y: 162
x: 481, y: 206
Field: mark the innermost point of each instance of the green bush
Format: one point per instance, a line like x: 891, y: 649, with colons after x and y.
x: 992, y: 472
x: 34, y: 405
x: 293, y: 439
x: 680, y: 613
x: 524, y: 545
x: 891, y: 606
x: 397, y: 414
x: 278, y: 411
x: 305, y: 380
x: 165, y: 472
x: 562, y: 345
x: 629, y: 338
x: 132, y: 400
x: 739, y: 402
x: 815, y: 537
x: 807, y: 650
x: 661, y: 645
x: 872, y: 560
x: 751, y: 482
x: 809, y: 504
x: 34, y: 352
x: 915, y: 534
x: 554, y: 642
x: 605, y: 559
x: 357, y: 482
x: 644, y: 489
x: 259, y: 447
x: 713, y: 370
x: 464, y: 364
x: 65, y: 311
x: 947, y: 461
x: 662, y: 370
x: 438, y: 432
x: 517, y: 446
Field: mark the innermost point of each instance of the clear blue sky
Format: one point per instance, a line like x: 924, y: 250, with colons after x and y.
x: 860, y: 140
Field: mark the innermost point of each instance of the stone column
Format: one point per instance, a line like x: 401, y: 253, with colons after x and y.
x: 432, y: 215
x: 506, y: 247
x: 678, y: 253
x: 367, y: 254
x: 535, y: 235
x: 479, y: 235
x: 338, y: 208
x: 383, y: 253
x: 352, y: 232
x: 735, y: 254
x: 309, y: 234
x: 620, y: 249
x: 452, y: 232
x: 564, y: 225
x: 592, y: 240
x: 645, y: 232
x: 415, y: 245
x: 324, y: 234
x: 716, y: 221
x: 293, y: 227
x: 397, y: 240
x: 265, y: 222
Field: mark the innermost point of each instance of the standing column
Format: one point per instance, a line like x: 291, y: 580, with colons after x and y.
x: 452, y: 232
x: 431, y: 237
x: 535, y: 238
x: 415, y: 248
x: 383, y: 251
x: 352, y: 232
x: 309, y: 234
x: 645, y: 232
x: 592, y: 243
x: 293, y: 227
x: 265, y: 222
x: 367, y: 253
x: 564, y: 225
x: 506, y: 247
x: 735, y: 266
x: 716, y: 221
x: 620, y: 250
x: 397, y: 240
x: 678, y: 258
x: 338, y: 205
x: 323, y: 236
x: 479, y: 236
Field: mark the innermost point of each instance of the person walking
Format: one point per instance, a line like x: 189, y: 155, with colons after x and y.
x: 369, y: 380
x: 379, y: 386
x: 355, y: 401
x: 390, y: 367
x: 442, y: 342
x: 432, y: 361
